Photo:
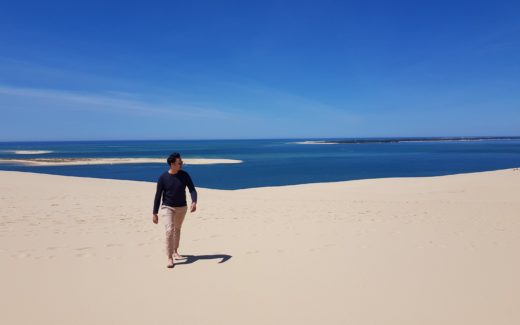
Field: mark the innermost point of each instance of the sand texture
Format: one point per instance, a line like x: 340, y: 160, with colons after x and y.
x: 437, y: 250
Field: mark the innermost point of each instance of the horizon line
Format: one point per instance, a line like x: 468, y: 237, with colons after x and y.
x: 275, y: 138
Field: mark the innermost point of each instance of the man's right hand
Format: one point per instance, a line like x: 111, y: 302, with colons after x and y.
x: 155, y: 218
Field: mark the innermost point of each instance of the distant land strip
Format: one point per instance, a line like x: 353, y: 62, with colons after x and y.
x: 398, y: 140
x: 111, y: 161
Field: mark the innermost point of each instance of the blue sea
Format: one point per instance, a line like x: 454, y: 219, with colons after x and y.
x: 275, y: 162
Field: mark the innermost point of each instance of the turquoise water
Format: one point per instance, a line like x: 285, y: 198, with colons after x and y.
x: 275, y: 162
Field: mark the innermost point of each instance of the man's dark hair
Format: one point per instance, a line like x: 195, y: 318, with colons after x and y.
x: 173, y: 157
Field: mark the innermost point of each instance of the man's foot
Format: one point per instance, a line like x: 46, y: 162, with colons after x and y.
x: 178, y: 256
x: 171, y: 263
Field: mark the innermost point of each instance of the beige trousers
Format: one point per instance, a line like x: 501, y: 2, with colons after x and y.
x: 173, y: 218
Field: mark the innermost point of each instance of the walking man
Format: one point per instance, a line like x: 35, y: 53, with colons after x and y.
x: 171, y: 186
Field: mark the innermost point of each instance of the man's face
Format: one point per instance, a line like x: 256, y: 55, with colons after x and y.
x: 177, y: 165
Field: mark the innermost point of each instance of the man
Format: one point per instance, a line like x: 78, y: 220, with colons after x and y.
x: 171, y: 186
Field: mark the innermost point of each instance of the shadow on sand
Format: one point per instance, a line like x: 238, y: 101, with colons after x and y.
x: 193, y: 258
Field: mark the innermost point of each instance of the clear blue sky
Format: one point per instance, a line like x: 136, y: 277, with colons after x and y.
x: 73, y: 70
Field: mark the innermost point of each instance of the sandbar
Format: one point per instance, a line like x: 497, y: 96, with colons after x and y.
x: 314, y: 142
x: 112, y: 161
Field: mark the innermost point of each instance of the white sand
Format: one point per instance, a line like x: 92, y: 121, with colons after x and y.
x: 29, y: 152
x: 439, y: 250
x: 112, y: 161
x: 314, y: 142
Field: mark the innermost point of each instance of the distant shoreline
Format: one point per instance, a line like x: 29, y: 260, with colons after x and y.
x: 399, y: 140
x: 327, y: 139
x: 112, y: 161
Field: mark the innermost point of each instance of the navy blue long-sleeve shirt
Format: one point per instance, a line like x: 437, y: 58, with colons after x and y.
x: 172, y: 189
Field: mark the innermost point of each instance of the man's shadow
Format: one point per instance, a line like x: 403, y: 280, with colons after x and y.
x: 193, y: 258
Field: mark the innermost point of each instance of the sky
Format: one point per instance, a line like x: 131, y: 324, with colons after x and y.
x: 116, y: 70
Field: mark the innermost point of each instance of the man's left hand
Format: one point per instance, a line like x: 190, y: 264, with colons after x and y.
x: 193, y: 207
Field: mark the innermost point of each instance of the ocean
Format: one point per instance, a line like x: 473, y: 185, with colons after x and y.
x: 276, y: 162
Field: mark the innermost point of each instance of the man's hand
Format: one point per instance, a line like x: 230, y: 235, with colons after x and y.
x: 155, y: 218
x: 193, y: 207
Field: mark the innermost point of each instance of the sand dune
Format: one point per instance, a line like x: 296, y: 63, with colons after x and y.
x: 437, y: 250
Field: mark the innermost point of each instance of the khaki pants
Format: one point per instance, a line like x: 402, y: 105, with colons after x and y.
x: 173, y: 218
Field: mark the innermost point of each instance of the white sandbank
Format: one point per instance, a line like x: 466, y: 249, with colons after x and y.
x: 111, y: 161
x: 314, y: 142
x: 404, y: 251
x: 29, y: 152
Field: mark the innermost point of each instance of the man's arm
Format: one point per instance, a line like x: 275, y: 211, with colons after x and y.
x: 157, y: 201
x: 193, y: 194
